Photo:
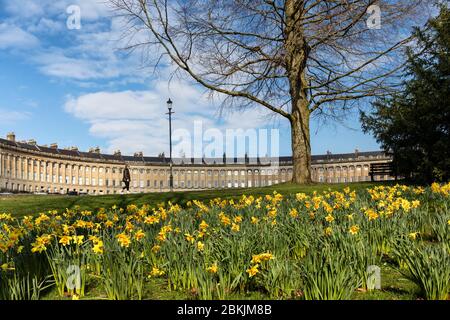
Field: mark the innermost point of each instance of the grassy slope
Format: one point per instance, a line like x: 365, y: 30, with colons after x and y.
x: 20, y: 205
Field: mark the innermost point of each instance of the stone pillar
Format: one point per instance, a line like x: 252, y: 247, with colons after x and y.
x: 13, y: 167
x: 62, y: 172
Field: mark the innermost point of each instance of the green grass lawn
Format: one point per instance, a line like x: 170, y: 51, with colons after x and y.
x: 21, y: 205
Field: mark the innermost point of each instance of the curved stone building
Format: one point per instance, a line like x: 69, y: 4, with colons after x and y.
x: 28, y: 167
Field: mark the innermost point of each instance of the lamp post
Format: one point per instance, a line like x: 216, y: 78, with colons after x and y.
x: 169, y: 106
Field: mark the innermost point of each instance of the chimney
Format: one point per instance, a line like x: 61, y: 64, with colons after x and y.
x: 94, y: 150
x: 117, y: 153
x: 74, y: 148
x: 54, y: 146
x: 11, y: 137
x: 32, y: 142
x: 139, y: 154
x: 356, y: 153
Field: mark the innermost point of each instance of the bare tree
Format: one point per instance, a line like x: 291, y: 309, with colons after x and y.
x: 294, y: 57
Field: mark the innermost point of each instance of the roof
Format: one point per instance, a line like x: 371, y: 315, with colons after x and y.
x: 165, y: 160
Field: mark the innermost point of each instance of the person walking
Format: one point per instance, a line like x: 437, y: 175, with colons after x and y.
x: 126, y: 178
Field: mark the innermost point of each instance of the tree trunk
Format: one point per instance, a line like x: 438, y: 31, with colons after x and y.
x: 297, y: 52
x: 301, y: 146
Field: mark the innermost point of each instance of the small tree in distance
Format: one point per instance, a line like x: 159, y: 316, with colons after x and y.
x: 296, y: 58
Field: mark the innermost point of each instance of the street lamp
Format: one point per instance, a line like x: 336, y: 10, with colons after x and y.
x: 169, y: 106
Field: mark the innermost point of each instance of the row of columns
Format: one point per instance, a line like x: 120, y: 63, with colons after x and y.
x: 60, y: 175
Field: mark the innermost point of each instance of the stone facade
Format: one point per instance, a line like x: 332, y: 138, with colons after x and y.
x: 28, y: 167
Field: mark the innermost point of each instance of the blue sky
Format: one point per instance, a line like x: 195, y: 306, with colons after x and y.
x: 76, y: 88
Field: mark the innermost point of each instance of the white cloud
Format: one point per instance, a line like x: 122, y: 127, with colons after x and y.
x: 47, y: 26
x: 90, y: 9
x: 24, y: 8
x: 136, y: 121
x: 10, y: 117
x: 113, y: 105
x: 56, y: 63
x: 12, y: 36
